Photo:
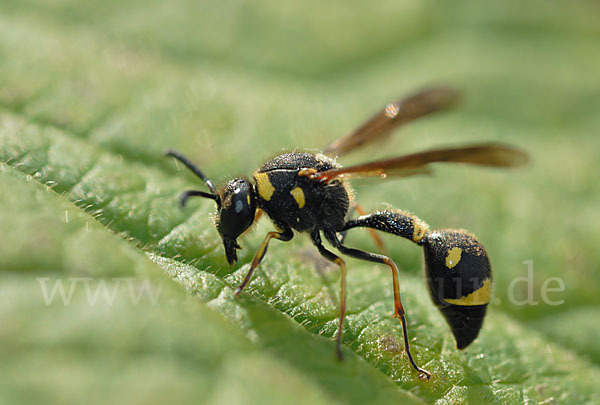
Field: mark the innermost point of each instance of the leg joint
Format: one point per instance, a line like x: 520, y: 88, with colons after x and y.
x: 340, y: 262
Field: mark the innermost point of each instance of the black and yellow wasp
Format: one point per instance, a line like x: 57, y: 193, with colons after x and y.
x: 307, y: 192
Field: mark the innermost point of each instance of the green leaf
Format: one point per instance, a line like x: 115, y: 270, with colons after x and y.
x: 92, y: 94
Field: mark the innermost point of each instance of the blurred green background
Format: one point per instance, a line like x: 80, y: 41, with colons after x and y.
x: 92, y: 93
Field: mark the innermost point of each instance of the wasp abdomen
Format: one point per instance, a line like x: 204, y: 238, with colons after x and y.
x: 460, y: 280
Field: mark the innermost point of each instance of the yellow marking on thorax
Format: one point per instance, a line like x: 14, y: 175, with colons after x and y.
x: 453, y: 257
x: 420, y: 229
x: 264, y: 186
x: 298, y: 195
x: 479, y: 297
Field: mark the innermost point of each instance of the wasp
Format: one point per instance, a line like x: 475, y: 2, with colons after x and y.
x: 310, y: 193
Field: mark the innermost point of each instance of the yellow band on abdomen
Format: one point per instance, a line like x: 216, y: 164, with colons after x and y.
x: 481, y: 296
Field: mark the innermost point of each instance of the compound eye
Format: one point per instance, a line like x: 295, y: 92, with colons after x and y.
x: 240, y: 205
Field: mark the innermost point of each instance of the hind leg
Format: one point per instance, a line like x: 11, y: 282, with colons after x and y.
x: 398, y: 309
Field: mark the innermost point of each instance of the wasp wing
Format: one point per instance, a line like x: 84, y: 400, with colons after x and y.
x: 494, y: 155
x: 394, y: 114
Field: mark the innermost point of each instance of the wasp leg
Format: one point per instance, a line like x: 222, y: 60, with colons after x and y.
x: 285, y: 236
x: 398, y: 309
x: 316, y: 238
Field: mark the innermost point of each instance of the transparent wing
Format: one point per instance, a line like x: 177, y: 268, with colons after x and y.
x: 494, y: 155
x: 394, y: 114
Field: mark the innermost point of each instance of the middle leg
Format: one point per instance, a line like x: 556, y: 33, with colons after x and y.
x: 316, y: 238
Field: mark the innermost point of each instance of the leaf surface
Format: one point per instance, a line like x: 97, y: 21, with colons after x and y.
x: 92, y: 94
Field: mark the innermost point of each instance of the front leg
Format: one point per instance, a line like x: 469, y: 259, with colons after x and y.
x: 285, y: 236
